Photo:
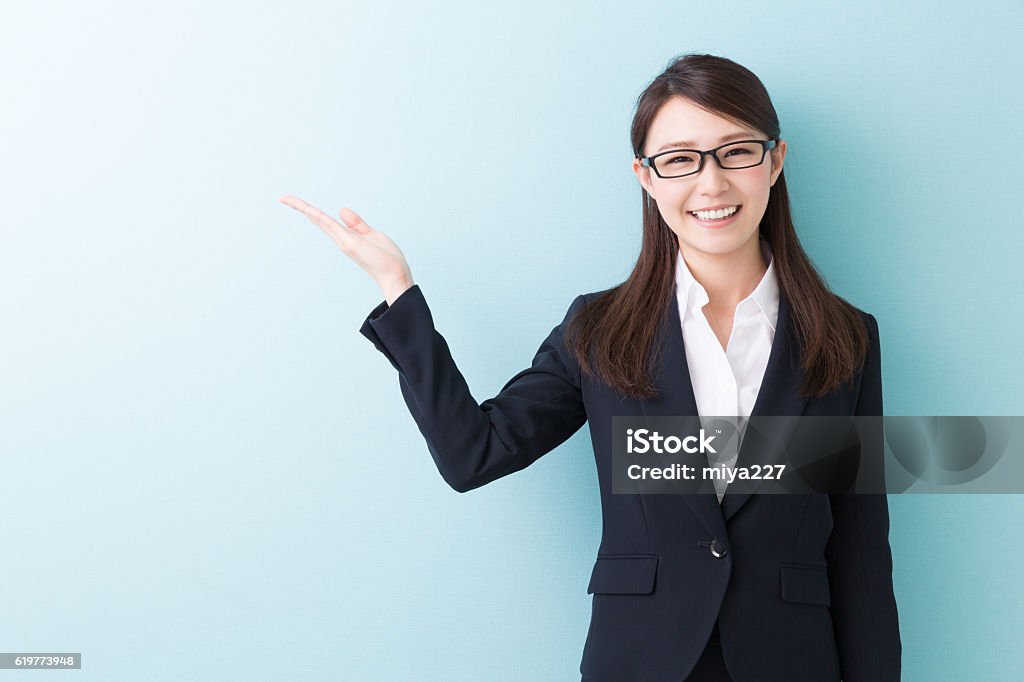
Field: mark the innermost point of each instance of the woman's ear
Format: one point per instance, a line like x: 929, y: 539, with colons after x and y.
x: 643, y: 174
x: 777, y: 155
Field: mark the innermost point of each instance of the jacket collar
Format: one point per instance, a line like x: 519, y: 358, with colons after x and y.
x: 778, y: 396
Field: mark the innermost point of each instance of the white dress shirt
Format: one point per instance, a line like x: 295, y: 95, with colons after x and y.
x: 726, y: 382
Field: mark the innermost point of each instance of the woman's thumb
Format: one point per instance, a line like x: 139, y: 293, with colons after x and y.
x: 353, y: 221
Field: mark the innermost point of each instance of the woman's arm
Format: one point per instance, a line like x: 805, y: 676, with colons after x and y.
x: 864, y: 614
x: 475, y: 443
x: 472, y: 444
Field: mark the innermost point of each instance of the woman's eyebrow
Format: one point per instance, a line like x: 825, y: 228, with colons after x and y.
x: 690, y: 143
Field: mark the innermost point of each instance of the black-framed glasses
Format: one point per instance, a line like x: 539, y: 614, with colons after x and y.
x: 676, y: 163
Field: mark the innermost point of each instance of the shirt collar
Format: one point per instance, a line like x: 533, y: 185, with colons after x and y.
x: 763, y: 300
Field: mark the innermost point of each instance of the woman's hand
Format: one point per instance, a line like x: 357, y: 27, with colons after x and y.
x: 373, y: 251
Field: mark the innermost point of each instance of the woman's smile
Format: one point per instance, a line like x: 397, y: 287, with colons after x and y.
x: 714, y: 223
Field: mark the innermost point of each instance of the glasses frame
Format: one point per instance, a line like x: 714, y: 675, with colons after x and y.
x: 765, y: 146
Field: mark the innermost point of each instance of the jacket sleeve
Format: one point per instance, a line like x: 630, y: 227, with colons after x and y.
x: 475, y: 443
x: 864, y: 614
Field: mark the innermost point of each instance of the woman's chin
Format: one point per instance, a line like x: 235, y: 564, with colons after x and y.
x: 714, y: 242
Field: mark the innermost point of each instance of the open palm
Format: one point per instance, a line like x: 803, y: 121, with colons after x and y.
x: 372, y: 250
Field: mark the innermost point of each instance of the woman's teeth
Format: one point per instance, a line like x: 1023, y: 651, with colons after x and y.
x: 715, y: 215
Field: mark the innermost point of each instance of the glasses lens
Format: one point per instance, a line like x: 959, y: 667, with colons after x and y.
x: 741, y: 155
x: 677, y: 163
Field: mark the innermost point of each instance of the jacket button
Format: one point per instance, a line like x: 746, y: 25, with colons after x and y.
x: 718, y: 549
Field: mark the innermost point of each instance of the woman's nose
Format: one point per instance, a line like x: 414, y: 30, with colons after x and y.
x: 712, y: 178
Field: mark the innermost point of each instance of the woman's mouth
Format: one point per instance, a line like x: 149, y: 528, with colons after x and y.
x: 711, y: 220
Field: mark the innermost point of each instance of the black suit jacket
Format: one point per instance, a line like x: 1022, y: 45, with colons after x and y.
x: 802, y: 589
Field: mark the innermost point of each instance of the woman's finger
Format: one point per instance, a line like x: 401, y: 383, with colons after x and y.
x: 338, y: 232
x: 353, y: 221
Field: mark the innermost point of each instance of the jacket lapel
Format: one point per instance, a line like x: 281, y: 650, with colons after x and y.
x: 776, y: 397
x: 676, y: 398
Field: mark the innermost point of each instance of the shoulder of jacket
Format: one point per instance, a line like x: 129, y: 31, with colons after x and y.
x: 869, y: 319
x: 591, y: 295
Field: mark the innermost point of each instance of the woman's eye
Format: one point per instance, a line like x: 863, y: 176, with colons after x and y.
x: 737, y: 151
x: 681, y: 159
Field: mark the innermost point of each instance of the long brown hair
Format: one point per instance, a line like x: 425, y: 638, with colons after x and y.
x: 613, y: 336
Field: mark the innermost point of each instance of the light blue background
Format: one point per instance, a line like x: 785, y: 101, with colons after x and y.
x: 207, y: 473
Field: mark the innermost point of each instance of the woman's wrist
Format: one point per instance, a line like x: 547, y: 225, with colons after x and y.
x: 396, y: 289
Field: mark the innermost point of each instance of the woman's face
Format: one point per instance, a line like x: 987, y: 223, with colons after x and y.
x: 678, y: 124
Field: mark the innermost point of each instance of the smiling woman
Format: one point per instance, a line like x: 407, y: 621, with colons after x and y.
x: 723, y: 315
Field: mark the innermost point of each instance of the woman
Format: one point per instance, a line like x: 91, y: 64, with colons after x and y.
x: 723, y: 314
